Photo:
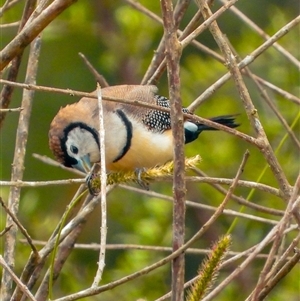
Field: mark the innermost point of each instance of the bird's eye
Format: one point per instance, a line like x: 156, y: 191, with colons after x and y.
x: 74, y: 149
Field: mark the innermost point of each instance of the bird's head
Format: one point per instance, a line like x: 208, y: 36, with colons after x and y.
x: 73, y: 142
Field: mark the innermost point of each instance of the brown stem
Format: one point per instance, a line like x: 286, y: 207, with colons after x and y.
x: 173, y: 53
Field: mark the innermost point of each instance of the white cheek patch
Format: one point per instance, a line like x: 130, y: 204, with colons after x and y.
x: 84, y: 141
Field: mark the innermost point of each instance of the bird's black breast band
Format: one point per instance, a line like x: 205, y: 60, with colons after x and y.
x: 128, y: 127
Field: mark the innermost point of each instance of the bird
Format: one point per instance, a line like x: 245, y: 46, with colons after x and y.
x: 135, y: 137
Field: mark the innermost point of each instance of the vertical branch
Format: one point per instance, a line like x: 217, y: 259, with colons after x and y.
x: 173, y: 53
x: 159, y: 55
x: 7, y: 91
x: 18, y: 167
x: 103, y: 230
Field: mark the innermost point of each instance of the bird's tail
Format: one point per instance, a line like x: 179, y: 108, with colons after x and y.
x: 227, y: 120
x: 193, y: 130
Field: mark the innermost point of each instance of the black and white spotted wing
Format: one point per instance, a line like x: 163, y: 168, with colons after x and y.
x: 159, y: 121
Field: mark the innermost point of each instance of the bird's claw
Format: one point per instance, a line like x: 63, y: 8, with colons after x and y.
x: 93, y: 183
x: 140, y: 181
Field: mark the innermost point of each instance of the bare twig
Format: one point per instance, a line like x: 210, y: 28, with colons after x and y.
x: 65, y: 249
x: 277, y: 266
x: 280, y: 275
x: 11, y: 110
x: 18, y: 167
x: 7, y: 91
x: 96, y: 247
x: 283, y: 224
x: 103, y: 229
x: 22, y: 287
x: 98, y: 77
x: 257, y: 29
x: 245, y: 62
x: 187, y: 40
x: 31, y: 31
x: 208, y: 180
x: 9, y: 25
x: 7, y: 228
x: 173, y: 54
x: 20, y: 226
x: 273, y: 107
x: 251, y: 111
x: 7, y: 5
x: 211, y: 208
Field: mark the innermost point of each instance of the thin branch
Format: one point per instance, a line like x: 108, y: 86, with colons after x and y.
x: 264, y: 35
x: 42, y: 183
x: 188, y: 40
x: 22, y: 287
x: 282, y: 225
x: 251, y: 111
x: 280, y: 275
x: 11, y: 110
x: 173, y: 54
x: 18, y: 166
x: 228, y: 212
x: 98, y: 77
x: 279, y: 264
x: 278, y: 90
x: 238, y: 199
x: 9, y: 25
x: 196, y: 118
x: 245, y: 62
x: 7, y: 228
x: 7, y: 90
x: 20, y: 226
x: 65, y: 249
x: 32, y: 268
x: 273, y: 107
x: 32, y: 30
x: 195, y: 251
x: 208, y: 180
x: 103, y: 229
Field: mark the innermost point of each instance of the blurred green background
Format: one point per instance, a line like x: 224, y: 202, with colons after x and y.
x: 120, y: 42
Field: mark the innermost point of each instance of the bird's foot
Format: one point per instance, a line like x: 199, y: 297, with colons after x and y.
x: 93, y: 183
x: 144, y: 184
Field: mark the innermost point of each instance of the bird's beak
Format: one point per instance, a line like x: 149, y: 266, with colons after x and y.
x: 84, y: 164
